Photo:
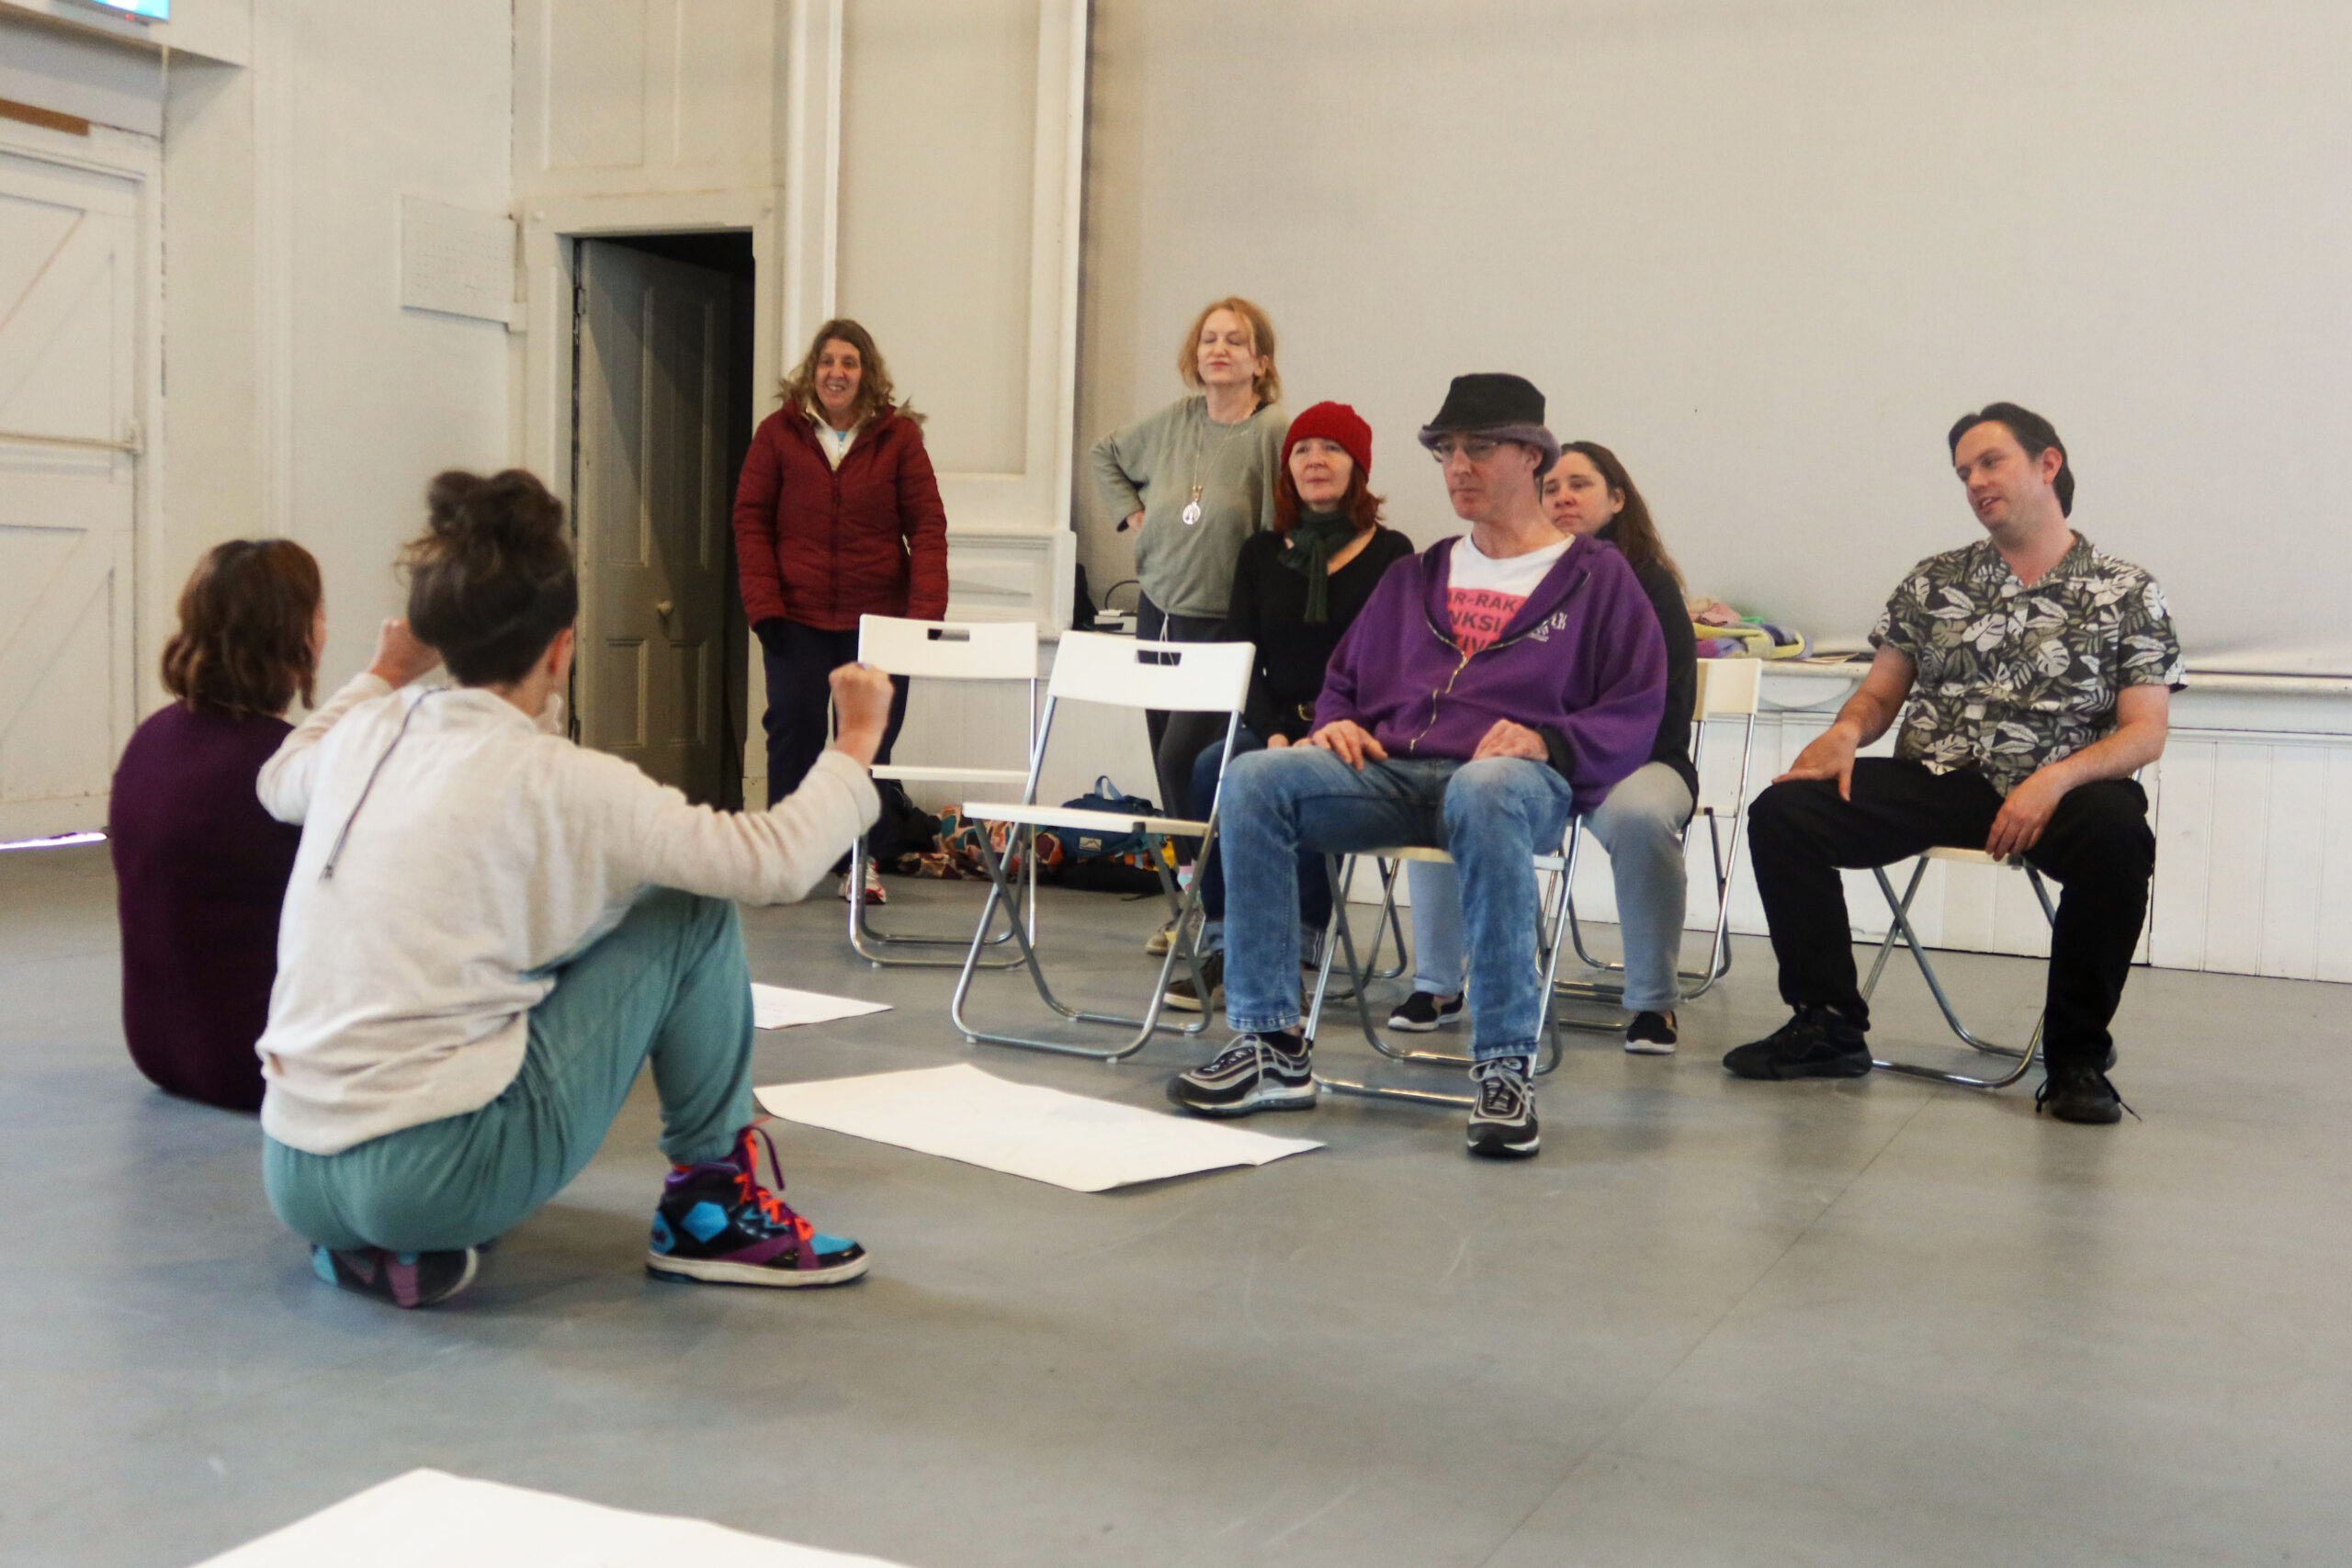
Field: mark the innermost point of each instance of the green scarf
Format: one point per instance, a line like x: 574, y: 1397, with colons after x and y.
x: 1314, y: 538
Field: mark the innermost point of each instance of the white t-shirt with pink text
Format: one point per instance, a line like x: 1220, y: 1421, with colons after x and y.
x: 1482, y: 595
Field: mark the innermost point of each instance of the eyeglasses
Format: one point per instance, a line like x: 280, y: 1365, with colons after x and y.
x: 1477, y: 449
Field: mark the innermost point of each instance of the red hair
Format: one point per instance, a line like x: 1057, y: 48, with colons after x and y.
x: 1362, y: 506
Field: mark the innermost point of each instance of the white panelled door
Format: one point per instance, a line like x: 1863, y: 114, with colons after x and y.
x: 69, y: 465
x: 651, y: 512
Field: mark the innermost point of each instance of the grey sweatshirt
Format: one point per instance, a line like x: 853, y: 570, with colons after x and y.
x: 1154, y: 464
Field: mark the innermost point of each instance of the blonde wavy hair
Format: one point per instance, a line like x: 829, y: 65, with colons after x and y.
x: 875, y: 396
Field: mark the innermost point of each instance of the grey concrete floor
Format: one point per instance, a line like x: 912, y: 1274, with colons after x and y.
x: 1717, y: 1322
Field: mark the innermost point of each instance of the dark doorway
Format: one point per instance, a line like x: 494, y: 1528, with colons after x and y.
x: 663, y: 682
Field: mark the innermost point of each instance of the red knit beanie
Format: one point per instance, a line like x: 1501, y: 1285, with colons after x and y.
x: 1333, y: 421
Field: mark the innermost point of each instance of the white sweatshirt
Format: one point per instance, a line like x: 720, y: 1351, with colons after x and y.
x: 417, y: 933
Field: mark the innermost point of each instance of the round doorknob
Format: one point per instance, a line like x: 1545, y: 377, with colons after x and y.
x: 663, y: 609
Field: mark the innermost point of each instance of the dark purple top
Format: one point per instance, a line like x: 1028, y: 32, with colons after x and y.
x: 199, y: 871
x: 1583, y: 663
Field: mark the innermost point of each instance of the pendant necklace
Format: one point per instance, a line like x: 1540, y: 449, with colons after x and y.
x: 1192, y: 513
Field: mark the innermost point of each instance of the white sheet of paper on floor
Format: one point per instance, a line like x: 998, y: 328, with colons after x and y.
x: 781, y: 1007
x: 453, y: 1522
x: 1070, y: 1140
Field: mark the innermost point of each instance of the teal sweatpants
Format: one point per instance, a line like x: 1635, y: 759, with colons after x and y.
x: 668, y: 985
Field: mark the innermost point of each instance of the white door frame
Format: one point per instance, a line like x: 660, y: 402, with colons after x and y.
x: 140, y: 161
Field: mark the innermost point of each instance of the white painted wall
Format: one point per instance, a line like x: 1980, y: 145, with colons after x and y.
x: 1768, y: 252
x: 381, y: 102
x: 297, y: 398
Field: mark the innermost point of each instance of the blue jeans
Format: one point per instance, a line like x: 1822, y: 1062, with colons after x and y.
x: 1492, y: 817
x: 667, y: 986
x: 1313, y: 881
x: 1640, y: 824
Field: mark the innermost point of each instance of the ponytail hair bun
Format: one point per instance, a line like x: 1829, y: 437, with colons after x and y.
x: 491, y: 582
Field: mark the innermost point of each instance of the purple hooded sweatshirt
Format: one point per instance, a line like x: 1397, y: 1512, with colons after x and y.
x: 1582, y: 663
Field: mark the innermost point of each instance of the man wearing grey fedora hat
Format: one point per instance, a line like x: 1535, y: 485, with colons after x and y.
x: 1493, y: 685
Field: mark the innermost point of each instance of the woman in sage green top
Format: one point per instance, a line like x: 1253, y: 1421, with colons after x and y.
x: 1197, y: 479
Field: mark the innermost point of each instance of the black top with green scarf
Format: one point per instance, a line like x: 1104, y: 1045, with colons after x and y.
x: 1269, y: 607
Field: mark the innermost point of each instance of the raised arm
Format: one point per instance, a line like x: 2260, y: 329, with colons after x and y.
x: 761, y: 857
x: 285, y: 781
x: 1865, y: 718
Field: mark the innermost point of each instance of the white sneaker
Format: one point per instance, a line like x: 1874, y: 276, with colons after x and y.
x: 874, y: 891
x: 1162, y: 941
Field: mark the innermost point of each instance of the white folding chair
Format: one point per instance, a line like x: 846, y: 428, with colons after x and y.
x: 1176, y: 677
x: 942, y: 651
x: 1730, y: 691
x: 1900, y: 930
x: 1560, y: 868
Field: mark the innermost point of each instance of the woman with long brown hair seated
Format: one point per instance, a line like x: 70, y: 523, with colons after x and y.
x: 199, y: 867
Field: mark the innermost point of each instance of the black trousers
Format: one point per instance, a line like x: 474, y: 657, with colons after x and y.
x: 1177, y: 738
x: 799, y: 660
x: 2098, y: 846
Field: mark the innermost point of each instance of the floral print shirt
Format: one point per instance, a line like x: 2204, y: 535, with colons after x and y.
x: 2012, y: 676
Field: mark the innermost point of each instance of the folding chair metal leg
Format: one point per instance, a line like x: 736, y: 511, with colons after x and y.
x: 1390, y: 924
x: 1340, y: 938
x: 1691, y: 984
x: 1901, y: 929
x: 865, y: 938
x: 1181, y: 904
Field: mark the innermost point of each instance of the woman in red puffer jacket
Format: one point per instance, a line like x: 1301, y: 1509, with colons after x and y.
x: 837, y: 516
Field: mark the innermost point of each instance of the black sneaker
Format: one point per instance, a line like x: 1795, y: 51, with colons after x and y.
x: 1651, y: 1034
x: 717, y: 1226
x: 1254, y: 1072
x: 1815, y: 1044
x: 2080, y: 1094
x: 1181, y: 997
x: 403, y: 1279
x: 1502, y: 1125
x: 1425, y: 1011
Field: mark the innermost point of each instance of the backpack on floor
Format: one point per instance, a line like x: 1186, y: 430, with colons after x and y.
x: 1085, y: 844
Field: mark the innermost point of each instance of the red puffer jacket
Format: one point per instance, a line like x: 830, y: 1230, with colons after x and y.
x: 823, y: 546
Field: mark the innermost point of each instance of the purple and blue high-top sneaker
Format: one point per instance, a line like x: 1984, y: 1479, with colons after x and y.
x: 403, y: 1279
x: 718, y: 1224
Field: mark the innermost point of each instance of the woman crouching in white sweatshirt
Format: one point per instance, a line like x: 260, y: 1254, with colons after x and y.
x: 489, y: 929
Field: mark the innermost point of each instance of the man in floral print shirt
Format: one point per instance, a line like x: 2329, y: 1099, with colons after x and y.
x: 2039, y: 672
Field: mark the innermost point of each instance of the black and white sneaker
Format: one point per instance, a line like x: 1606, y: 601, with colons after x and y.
x: 1423, y: 1011
x: 1502, y: 1125
x: 1651, y: 1034
x: 1253, y: 1073
x: 1183, y: 997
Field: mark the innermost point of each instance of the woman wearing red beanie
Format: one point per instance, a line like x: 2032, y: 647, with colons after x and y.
x: 1297, y: 589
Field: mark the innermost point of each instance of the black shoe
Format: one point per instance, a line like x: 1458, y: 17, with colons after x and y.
x: 1424, y: 1011
x: 1651, y: 1034
x: 2080, y: 1094
x: 1254, y: 1072
x: 1181, y: 997
x: 403, y: 1279
x: 1815, y: 1044
x: 1502, y: 1125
